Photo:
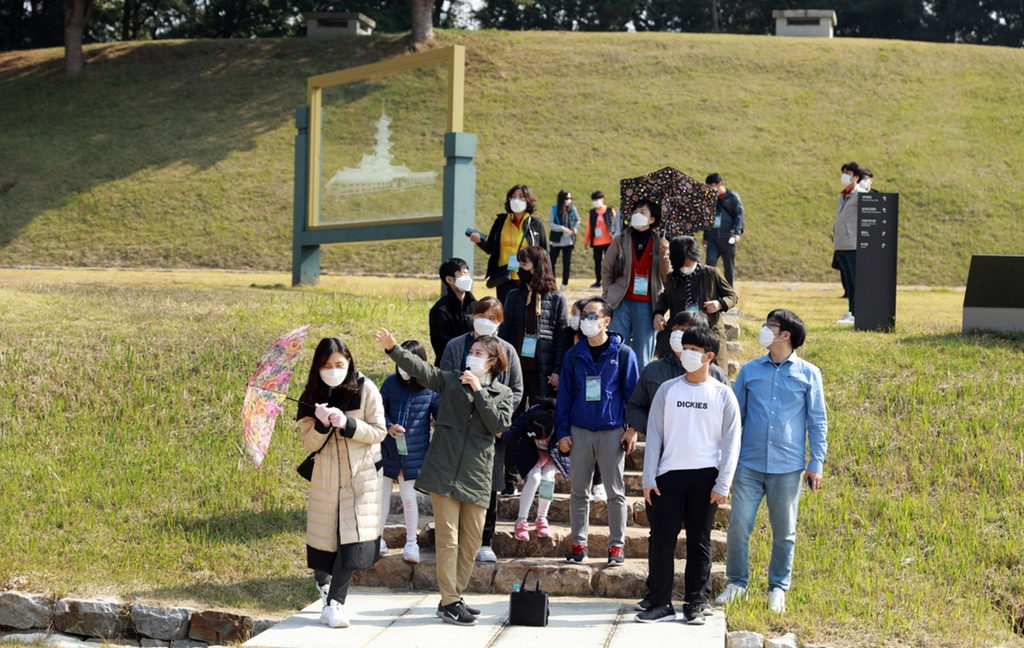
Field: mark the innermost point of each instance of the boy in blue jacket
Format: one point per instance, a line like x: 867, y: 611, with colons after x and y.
x: 598, y: 376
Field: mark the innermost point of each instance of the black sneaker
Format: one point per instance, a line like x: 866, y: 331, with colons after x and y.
x: 657, y: 613
x: 692, y: 613
x: 596, y: 284
x: 642, y: 605
x: 457, y: 614
x: 616, y: 557
x: 510, y: 490
x: 473, y: 611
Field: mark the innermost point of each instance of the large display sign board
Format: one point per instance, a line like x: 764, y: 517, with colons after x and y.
x: 994, y: 300
x: 368, y: 158
x: 877, y: 234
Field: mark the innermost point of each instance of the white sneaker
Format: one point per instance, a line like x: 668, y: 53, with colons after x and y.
x: 323, y: 589
x: 486, y: 554
x: 731, y: 593
x: 777, y: 600
x: 564, y: 287
x: 411, y: 554
x: 383, y: 547
x: 333, y: 616
x: 600, y: 495
x: 846, y: 319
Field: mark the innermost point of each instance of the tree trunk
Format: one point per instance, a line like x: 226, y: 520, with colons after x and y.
x: 422, y: 23
x: 714, y: 16
x: 74, y: 26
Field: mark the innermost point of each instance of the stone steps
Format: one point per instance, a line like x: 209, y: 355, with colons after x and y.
x: 557, y: 546
x: 557, y: 577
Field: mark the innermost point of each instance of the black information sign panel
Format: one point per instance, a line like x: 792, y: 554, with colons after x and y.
x: 877, y: 233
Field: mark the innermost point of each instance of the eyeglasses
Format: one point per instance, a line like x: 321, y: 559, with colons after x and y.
x: 590, y: 316
x: 771, y: 324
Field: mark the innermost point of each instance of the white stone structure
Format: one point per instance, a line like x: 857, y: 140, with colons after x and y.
x: 375, y: 172
x: 329, y: 23
x: 813, y: 23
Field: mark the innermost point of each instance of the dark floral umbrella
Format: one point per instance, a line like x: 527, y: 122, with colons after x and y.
x: 687, y: 205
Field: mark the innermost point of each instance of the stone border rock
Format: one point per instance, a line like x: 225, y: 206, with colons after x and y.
x: 34, y: 617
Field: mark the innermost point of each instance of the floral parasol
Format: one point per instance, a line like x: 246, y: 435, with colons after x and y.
x: 267, y: 391
x: 687, y: 205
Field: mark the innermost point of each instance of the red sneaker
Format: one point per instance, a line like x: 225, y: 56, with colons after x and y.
x: 615, y: 556
x: 578, y: 555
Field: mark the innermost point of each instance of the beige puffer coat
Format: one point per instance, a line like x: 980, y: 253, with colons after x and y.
x: 344, y: 500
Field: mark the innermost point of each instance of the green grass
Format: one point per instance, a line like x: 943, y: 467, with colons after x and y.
x: 122, y: 472
x: 179, y: 154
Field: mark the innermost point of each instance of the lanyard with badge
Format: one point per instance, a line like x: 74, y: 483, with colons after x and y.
x: 513, y: 259
x: 403, y: 417
x: 640, y: 284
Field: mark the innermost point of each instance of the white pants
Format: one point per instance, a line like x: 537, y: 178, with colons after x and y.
x: 530, y: 487
x: 409, y: 506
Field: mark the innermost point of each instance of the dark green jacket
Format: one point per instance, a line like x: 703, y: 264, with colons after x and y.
x: 461, y: 454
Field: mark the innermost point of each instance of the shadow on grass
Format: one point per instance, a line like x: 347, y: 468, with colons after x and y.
x: 282, y: 594
x: 243, y: 526
x: 984, y: 339
x: 146, y: 107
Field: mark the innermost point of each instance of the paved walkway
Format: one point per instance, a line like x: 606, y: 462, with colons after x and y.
x: 388, y: 619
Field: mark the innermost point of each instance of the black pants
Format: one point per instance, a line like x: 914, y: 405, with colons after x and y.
x: 598, y: 256
x: 566, y: 261
x: 685, y: 502
x: 720, y: 247
x: 491, y: 519
x: 502, y: 291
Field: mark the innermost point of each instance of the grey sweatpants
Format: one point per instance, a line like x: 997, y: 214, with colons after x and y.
x: 600, y: 447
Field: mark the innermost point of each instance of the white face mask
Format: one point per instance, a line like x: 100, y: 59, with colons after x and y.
x: 865, y: 183
x: 403, y: 373
x: 590, y: 328
x: 464, y: 283
x: 676, y: 341
x: 477, y: 365
x: 689, y: 270
x: 597, y: 203
x: 846, y: 179
x: 574, y: 322
x: 484, y: 326
x: 765, y: 337
x: 691, y: 360
x: 639, y: 221
x: 517, y: 205
x: 333, y: 377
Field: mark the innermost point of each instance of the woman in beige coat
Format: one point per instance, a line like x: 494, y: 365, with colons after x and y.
x: 344, y: 425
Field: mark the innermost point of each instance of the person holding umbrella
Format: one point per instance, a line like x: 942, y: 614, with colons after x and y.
x: 345, y: 427
x: 475, y: 409
x: 632, y: 276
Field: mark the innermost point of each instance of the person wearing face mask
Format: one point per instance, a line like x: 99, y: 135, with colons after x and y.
x: 632, y: 276
x: 487, y: 316
x: 846, y: 179
x: 343, y: 507
x: 602, y: 228
x: 408, y: 410
x: 598, y: 376
x: 693, y: 286
x: 844, y: 232
x: 721, y: 239
x: 451, y: 315
x: 511, y: 231
x: 475, y: 409
x: 536, y: 318
x: 693, y: 443
x: 564, y: 222
x: 785, y: 439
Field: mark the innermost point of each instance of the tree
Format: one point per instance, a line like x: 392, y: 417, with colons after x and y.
x: 76, y: 16
x: 422, y: 23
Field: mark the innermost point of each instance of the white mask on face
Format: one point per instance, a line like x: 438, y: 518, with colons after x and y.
x: 403, y: 373
x: 477, y: 365
x: 464, y: 283
x: 676, y: 341
x: 691, y: 360
x: 333, y: 377
x: 765, y: 337
x: 846, y: 179
x: 590, y: 328
x: 689, y: 270
x: 517, y: 205
x: 574, y: 322
x: 484, y: 326
x: 597, y: 203
x: 865, y: 183
x: 639, y: 220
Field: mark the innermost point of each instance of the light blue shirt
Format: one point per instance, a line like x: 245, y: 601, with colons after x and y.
x: 783, y: 410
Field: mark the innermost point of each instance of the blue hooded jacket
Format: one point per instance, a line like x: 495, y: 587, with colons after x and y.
x: 413, y: 410
x: 617, y: 384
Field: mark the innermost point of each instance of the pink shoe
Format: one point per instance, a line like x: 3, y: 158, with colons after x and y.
x: 543, y: 530
x: 522, y: 530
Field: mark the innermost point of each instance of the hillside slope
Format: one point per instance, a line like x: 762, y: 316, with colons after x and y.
x: 179, y: 154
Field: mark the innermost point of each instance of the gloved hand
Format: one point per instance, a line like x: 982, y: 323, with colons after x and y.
x: 336, y: 417
x: 323, y: 413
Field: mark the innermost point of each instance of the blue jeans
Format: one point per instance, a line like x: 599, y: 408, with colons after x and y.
x: 782, y: 491
x: 634, y: 320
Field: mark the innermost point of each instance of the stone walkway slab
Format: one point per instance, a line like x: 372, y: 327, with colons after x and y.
x: 385, y: 619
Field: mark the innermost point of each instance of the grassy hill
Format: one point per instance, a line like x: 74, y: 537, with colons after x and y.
x: 179, y: 154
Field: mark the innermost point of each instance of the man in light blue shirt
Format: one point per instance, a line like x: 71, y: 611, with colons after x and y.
x: 782, y: 407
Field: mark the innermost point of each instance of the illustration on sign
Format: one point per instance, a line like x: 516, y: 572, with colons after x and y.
x: 375, y: 172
